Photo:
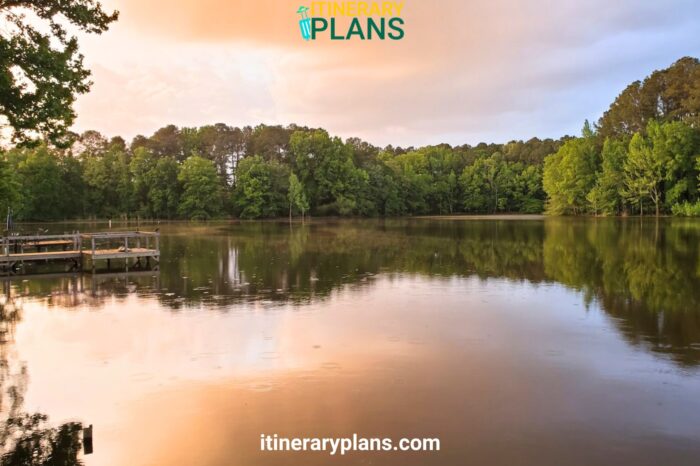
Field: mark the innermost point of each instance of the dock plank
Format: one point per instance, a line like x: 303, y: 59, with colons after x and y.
x: 36, y: 244
x: 76, y: 247
x: 39, y: 256
x: 121, y: 254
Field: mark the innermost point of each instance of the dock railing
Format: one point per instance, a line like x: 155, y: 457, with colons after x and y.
x: 17, y: 244
x: 128, y: 240
x: 15, y: 251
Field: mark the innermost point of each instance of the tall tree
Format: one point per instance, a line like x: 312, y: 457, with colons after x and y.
x: 296, y: 196
x: 107, y: 178
x: 41, y: 69
x: 164, y: 190
x: 261, y: 188
x: 10, y: 187
x: 672, y: 94
x: 42, y: 184
x: 201, y: 189
x: 570, y: 174
x: 643, y: 174
x: 607, y: 195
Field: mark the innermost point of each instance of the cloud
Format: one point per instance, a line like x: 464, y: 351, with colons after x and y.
x: 465, y: 72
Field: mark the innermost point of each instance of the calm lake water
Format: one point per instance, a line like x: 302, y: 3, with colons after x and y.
x: 515, y: 342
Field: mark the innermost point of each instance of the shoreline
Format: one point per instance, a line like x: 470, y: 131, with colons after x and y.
x: 513, y: 217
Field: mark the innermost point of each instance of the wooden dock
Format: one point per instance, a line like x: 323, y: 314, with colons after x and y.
x: 78, y: 248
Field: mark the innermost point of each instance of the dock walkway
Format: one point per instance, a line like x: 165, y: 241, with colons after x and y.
x: 77, y: 248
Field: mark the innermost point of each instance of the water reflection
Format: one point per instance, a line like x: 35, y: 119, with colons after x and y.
x: 643, y: 273
x: 515, y: 342
x: 27, y: 439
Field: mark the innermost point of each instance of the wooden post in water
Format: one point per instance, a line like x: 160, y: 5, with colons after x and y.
x: 126, y: 249
x: 87, y: 440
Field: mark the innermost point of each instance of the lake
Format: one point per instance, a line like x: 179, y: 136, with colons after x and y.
x: 514, y: 342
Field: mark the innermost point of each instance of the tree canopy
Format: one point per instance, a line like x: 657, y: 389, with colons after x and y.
x: 272, y: 171
x: 41, y: 68
x: 672, y: 94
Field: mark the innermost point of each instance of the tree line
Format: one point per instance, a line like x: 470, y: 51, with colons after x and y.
x: 642, y: 156
x: 266, y: 171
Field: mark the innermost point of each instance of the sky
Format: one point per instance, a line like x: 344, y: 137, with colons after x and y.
x: 466, y: 71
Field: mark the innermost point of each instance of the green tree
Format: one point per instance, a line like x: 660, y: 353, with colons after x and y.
x: 475, y: 189
x: 675, y: 146
x: 42, y: 186
x: 413, y: 180
x: 41, y: 69
x: 10, y: 196
x: 326, y: 169
x: 164, y: 190
x: 643, y: 173
x: 296, y: 196
x: 607, y: 195
x: 201, y: 189
x: 667, y: 95
x: 108, y: 187
x: 529, y: 195
x: 261, y: 188
x: 154, y: 184
x: 140, y: 167
x: 570, y: 174
x: 383, y: 187
x: 73, y: 185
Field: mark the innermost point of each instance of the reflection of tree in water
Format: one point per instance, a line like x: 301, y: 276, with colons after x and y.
x: 27, y: 439
x: 643, y: 274
x: 32, y: 442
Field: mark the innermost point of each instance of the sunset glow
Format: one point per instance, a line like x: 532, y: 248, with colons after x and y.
x: 465, y: 72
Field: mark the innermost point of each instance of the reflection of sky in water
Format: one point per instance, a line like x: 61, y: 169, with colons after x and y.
x: 480, y: 338
x: 556, y: 342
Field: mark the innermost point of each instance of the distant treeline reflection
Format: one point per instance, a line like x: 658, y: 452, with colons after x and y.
x: 644, y: 274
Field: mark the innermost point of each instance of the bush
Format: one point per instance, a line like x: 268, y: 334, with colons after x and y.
x: 686, y: 209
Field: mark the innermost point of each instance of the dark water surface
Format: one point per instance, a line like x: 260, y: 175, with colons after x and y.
x: 516, y: 342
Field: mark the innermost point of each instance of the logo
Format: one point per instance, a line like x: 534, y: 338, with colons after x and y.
x: 352, y: 20
x: 304, y: 23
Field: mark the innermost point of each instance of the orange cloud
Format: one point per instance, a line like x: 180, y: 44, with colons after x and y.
x: 465, y: 71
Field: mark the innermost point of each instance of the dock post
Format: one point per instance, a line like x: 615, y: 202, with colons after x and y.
x: 87, y: 438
